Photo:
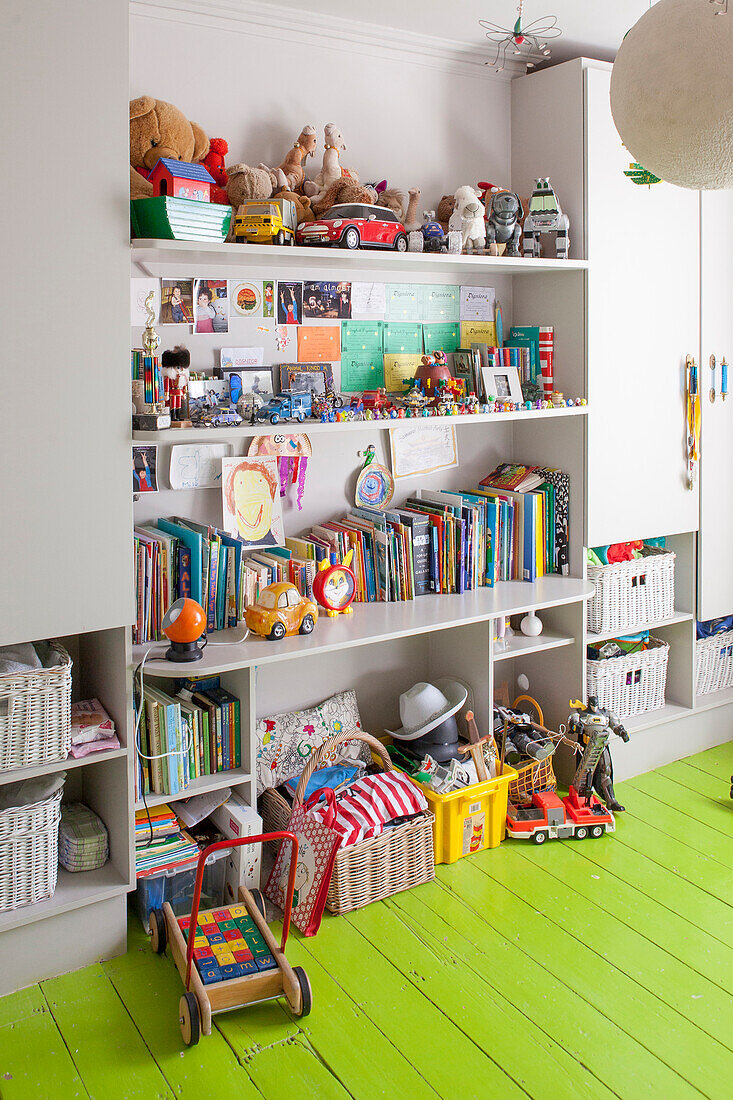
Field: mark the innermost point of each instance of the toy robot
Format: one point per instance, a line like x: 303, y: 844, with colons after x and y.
x: 545, y: 216
x: 504, y: 212
x: 593, y: 727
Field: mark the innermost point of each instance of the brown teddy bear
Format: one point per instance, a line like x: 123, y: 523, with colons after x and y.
x: 159, y: 129
x: 446, y: 206
x: 343, y: 190
x: 302, y: 205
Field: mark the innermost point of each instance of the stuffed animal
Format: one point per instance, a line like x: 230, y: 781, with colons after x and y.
x: 343, y: 190
x: 159, y: 129
x: 412, y: 220
x: 245, y: 184
x: 331, y: 169
x: 302, y: 205
x: 291, y: 173
x: 469, y: 217
x: 214, y: 163
x: 394, y: 199
x: 446, y: 206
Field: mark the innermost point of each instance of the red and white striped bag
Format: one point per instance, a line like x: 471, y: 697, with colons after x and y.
x: 363, y: 809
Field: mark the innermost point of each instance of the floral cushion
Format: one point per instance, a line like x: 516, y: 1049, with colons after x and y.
x: 285, y: 741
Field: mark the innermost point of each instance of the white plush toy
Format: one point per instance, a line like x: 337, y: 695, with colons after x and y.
x: 331, y: 169
x: 468, y: 216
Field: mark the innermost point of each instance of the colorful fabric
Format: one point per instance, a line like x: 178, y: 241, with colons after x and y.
x: 363, y: 809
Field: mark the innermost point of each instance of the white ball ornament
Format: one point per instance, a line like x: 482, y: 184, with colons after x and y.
x: 531, y: 625
x: 672, y: 93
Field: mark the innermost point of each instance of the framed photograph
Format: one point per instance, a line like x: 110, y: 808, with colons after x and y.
x: 256, y: 380
x: 316, y: 377
x: 462, y: 367
x: 502, y: 383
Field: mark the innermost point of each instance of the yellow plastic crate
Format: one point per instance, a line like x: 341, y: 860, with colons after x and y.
x: 471, y: 819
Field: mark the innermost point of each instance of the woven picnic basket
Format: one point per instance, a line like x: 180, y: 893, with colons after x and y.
x: 632, y: 684
x: 631, y: 594
x: 35, y: 713
x: 714, y: 662
x: 401, y: 857
x: 29, y: 852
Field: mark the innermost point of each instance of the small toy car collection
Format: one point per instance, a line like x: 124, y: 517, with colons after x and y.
x: 355, y: 225
x: 288, y: 405
x: 280, y: 611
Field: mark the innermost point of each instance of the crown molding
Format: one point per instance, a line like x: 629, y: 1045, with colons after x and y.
x: 277, y: 23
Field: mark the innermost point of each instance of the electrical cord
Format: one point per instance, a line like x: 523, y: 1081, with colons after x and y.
x: 139, y: 676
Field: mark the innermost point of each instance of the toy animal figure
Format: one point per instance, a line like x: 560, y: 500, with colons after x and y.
x: 468, y: 216
x: 504, y: 213
x: 291, y: 173
x: 593, y: 727
x: 214, y: 164
x: 410, y: 220
x: 545, y: 216
x: 331, y: 169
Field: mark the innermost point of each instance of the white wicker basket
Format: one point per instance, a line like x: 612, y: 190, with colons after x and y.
x: 632, y: 684
x: 632, y: 594
x: 35, y: 714
x: 714, y: 663
x: 29, y: 852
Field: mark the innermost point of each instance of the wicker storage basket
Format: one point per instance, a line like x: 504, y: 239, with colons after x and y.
x: 632, y: 594
x: 372, y: 869
x: 714, y: 662
x: 632, y: 684
x: 35, y: 714
x: 29, y: 847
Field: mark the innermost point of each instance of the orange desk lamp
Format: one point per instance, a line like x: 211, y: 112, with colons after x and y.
x: 184, y: 624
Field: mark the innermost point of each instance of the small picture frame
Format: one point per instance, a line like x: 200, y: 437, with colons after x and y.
x: 502, y: 383
x: 254, y: 380
x: 463, y: 368
x: 316, y: 377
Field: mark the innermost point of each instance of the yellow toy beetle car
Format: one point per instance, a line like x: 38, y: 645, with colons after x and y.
x: 281, y: 611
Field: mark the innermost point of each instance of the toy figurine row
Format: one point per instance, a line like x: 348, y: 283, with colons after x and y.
x: 191, y: 194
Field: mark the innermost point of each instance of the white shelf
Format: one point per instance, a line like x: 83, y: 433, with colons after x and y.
x: 379, y: 622
x: 207, y: 259
x: 15, y: 775
x: 73, y: 890
x: 678, y: 617
x: 312, y: 427
x: 714, y: 699
x: 201, y: 785
x: 519, y: 645
x: 668, y: 713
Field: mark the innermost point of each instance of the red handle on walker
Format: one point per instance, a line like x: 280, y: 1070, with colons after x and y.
x: 235, y: 843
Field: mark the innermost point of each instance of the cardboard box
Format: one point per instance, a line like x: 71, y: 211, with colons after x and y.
x: 244, y: 864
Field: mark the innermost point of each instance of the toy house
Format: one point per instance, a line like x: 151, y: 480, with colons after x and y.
x: 180, y: 180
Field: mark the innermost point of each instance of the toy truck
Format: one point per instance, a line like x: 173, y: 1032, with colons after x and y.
x: 288, y: 405
x: 272, y: 222
x: 550, y: 817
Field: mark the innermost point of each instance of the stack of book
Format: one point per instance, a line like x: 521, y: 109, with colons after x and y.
x: 169, y: 847
x: 184, y: 736
x: 531, y: 505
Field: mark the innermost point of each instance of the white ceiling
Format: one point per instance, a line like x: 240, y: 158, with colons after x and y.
x: 592, y: 28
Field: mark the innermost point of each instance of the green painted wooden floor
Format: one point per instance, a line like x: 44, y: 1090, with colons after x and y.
x: 597, y: 969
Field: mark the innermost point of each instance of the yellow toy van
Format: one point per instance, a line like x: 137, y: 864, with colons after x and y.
x: 271, y: 222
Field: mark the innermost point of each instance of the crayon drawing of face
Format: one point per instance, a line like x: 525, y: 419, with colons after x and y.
x: 250, y: 494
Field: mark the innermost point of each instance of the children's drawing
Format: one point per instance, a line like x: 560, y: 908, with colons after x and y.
x: 251, y: 500
x: 197, y: 465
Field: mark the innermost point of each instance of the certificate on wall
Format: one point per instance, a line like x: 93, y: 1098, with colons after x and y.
x: 319, y: 344
x: 478, y: 332
x: 423, y: 448
x: 397, y: 368
x: 403, y: 301
x: 361, y: 371
x: 402, y: 338
x: 439, y: 303
x: 442, y: 337
x: 361, y: 337
x: 477, y: 303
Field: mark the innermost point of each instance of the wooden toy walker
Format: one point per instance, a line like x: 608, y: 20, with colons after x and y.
x: 231, y: 958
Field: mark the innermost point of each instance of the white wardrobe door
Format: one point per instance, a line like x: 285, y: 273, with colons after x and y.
x: 715, y: 544
x: 643, y: 318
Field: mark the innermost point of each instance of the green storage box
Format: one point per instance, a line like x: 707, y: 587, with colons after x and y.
x: 172, y: 219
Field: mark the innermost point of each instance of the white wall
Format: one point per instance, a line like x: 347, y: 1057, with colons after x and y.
x: 414, y: 124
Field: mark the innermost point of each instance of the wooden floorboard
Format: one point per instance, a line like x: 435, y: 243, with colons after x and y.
x: 600, y: 968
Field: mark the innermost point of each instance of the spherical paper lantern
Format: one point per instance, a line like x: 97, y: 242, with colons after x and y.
x: 672, y: 93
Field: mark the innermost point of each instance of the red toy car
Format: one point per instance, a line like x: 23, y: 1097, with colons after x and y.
x: 353, y: 225
x: 552, y: 818
x: 373, y: 399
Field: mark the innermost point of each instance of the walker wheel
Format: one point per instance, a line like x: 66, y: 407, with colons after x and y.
x: 259, y: 899
x: 306, y: 995
x: 189, y: 1019
x: 158, y: 931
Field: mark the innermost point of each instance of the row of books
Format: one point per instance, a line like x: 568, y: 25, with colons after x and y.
x: 160, y: 843
x: 195, y: 732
